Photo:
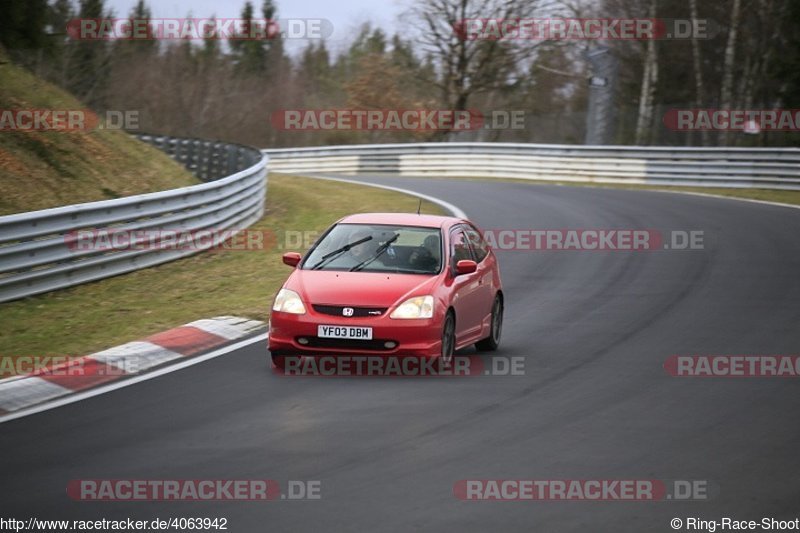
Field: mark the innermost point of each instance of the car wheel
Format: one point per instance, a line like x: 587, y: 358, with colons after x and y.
x: 280, y: 361
x: 490, y: 343
x: 448, y: 339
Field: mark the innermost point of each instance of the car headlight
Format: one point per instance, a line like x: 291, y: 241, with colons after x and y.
x: 288, y: 301
x: 416, y: 307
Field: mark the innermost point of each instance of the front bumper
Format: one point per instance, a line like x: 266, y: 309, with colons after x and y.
x: 412, y: 337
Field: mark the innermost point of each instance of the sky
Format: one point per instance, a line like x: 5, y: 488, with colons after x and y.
x: 347, y: 16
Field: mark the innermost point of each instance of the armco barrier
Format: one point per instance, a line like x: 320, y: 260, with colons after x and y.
x: 35, y: 256
x: 764, y: 168
x: 208, y: 160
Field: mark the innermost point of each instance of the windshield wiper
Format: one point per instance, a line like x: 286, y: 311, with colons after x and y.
x: 382, y: 248
x: 331, y: 255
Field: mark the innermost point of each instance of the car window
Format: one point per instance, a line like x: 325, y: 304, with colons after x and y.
x: 380, y: 248
x: 459, y: 246
x: 479, y: 246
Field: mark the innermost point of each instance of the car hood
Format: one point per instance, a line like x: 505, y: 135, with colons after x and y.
x: 364, y: 289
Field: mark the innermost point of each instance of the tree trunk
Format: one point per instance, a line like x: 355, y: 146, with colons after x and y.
x: 699, y: 85
x: 726, y: 94
x: 649, y: 83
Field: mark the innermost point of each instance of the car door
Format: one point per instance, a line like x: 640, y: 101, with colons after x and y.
x: 466, y: 296
x: 485, y: 290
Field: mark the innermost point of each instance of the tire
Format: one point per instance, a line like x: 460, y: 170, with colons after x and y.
x: 279, y: 361
x: 448, y: 339
x: 490, y: 343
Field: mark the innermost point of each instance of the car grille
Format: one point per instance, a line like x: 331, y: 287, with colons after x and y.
x: 348, y: 344
x: 358, y: 312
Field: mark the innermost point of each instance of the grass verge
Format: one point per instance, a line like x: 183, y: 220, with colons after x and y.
x: 43, y: 169
x: 91, y: 317
x: 768, y: 195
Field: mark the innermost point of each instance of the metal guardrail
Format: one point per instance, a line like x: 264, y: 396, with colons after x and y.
x: 208, y: 160
x: 764, y: 168
x: 37, y: 253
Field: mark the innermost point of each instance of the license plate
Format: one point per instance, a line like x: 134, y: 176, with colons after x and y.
x: 344, y: 332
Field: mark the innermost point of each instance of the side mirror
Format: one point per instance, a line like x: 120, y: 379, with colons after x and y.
x: 291, y: 259
x: 466, y: 266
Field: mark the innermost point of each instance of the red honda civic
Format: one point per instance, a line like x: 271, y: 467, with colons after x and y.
x: 390, y: 284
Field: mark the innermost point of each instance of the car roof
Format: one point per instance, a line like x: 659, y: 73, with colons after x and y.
x: 402, y: 219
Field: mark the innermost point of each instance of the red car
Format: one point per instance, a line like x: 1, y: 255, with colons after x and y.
x: 390, y: 284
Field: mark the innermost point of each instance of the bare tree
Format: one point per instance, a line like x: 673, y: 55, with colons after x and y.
x: 649, y: 85
x: 697, y: 63
x: 469, y: 66
x: 726, y: 92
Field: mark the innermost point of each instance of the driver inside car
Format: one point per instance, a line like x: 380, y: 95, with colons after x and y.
x: 426, y: 257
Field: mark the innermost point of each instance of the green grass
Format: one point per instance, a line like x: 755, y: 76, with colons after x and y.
x: 783, y: 197
x: 43, y: 169
x: 768, y: 195
x: 105, y: 313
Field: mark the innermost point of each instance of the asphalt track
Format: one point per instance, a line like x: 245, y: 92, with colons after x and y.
x: 594, y: 403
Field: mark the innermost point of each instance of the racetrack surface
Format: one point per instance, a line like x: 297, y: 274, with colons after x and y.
x: 595, y: 328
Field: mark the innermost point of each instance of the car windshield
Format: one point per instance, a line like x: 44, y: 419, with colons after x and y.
x: 378, y: 248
